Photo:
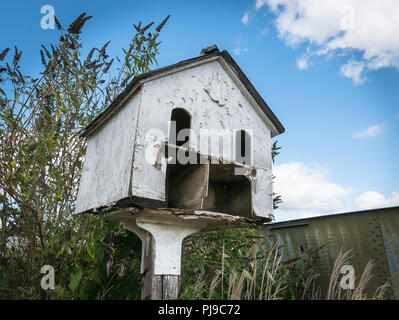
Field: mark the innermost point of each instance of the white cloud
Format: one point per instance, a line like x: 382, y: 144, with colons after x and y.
x: 354, y: 70
x: 260, y: 3
x: 238, y: 50
x: 241, y: 45
x: 370, y: 132
x: 367, y: 29
x: 373, y: 199
x: 302, y: 63
x: 245, y: 18
x: 306, y: 191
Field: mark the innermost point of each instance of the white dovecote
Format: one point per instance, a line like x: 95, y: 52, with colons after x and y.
x: 193, y: 138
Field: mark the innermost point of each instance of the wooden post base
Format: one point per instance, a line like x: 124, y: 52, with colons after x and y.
x: 156, y: 287
x: 162, y: 232
x: 163, y: 287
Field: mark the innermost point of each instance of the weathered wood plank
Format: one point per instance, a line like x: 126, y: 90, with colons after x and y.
x: 156, y: 287
x: 262, y: 199
x: 188, y: 186
x: 148, y: 266
x: 170, y: 287
x: 108, y: 160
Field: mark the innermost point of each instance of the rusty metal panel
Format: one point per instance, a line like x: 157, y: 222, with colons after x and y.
x: 370, y: 234
x: 389, y: 222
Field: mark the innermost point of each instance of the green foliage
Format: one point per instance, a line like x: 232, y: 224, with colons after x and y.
x: 41, y: 156
x: 276, y: 198
x: 239, y: 264
x: 207, y: 255
x: 301, y: 276
x: 275, y: 149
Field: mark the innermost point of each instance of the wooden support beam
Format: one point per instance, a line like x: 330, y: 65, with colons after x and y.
x: 156, y: 287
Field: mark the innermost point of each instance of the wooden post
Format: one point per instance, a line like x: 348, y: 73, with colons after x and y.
x: 161, y: 232
x: 170, y: 287
x: 156, y: 287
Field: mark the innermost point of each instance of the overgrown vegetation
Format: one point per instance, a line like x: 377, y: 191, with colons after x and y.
x: 41, y: 157
x: 238, y: 265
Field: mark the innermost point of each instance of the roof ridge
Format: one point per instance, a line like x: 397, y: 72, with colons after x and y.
x: 206, y: 53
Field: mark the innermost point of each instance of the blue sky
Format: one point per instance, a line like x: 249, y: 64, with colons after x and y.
x: 331, y: 77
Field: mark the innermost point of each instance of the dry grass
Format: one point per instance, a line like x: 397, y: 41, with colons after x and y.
x: 335, y: 291
x: 312, y: 288
x: 249, y: 285
x: 270, y: 283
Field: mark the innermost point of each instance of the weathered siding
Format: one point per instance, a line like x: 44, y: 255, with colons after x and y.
x: 124, y: 158
x: 262, y: 190
x: 108, y: 160
x: 214, y: 101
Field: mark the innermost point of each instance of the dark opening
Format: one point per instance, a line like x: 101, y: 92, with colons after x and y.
x: 227, y: 192
x: 184, y: 182
x: 243, y: 147
x: 186, y: 185
x: 180, y: 120
x: 212, y: 187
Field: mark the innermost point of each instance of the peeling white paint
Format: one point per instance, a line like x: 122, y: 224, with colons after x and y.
x: 108, y: 160
x: 116, y: 165
x: 168, y: 240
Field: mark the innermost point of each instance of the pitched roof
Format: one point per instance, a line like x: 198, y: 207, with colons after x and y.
x: 206, y: 53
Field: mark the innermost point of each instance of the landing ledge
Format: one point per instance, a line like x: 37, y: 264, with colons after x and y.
x: 205, y: 220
